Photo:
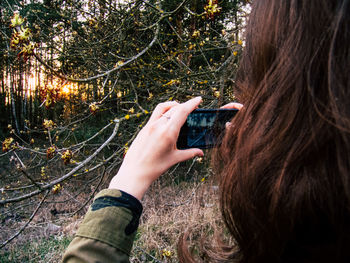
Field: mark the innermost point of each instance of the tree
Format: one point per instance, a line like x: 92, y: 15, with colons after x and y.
x: 79, y: 78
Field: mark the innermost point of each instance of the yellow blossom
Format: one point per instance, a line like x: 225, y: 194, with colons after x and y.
x: 24, y: 33
x: 50, y: 152
x: 48, y: 124
x: 196, y: 33
x: 93, y: 107
x: 166, y: 253
x: 202, y: 82
x: 67, y: 156
x: 127, y: 117
x: 191, y: 46
x: 43, y: 172
x: 126, y: 148
x: 7, y: 144
x: 16, y: 20
x: 56, y: 188
x: 27, y: 50
x: 172, y: 82
x: 212, y: 8
x: 199, y: 159
x: 235, y: 53
x: 14, y: 40
x: 119, y: 63
x: 240, y: 42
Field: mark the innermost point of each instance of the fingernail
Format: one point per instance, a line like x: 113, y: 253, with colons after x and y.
x: 228, y: 125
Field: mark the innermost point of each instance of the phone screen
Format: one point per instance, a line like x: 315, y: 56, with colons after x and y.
x: 204, y: 128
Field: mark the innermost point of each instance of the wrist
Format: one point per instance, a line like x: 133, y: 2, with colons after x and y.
x: 129, y: 183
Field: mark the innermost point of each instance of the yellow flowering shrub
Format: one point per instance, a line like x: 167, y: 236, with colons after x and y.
x: 56, y: 188
x: 8, y: 144
x: 48, y: 124
x: 67, y: 156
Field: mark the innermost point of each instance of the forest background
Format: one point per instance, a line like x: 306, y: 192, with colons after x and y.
x: 79, y: 79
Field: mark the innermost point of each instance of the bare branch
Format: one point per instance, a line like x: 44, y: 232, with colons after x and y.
x: 66, y: 176
x: 106, y: 72
x: 27, y: 223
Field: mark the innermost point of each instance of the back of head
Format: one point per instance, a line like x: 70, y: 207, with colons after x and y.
x: 285, y: 162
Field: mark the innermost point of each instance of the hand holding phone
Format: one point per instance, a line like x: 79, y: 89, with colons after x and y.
x: 153, y: 151
x: 204, y: 128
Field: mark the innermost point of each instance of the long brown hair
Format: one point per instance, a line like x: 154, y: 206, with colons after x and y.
x: 284, y: 164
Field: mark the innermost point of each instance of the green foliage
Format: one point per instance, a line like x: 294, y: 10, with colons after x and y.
x: 42, y: 250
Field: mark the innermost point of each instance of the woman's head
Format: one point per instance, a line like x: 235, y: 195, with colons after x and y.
x: 285, y: 162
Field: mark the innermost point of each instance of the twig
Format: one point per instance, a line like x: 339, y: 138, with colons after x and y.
x: 186, y: 201
x: 149, y: 255
x: 27, y: 223
x: 23, y: 170
x: 66, y: 176
x: 106, y: 72
x: 91, y: 196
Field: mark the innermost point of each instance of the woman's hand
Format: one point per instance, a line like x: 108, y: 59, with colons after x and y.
x: 232, y: 105
x: 154, y: 150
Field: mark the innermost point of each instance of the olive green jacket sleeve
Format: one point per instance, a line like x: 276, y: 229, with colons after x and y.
x: 107, y: 231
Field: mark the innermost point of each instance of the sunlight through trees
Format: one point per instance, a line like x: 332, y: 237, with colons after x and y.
x: 79, y: 79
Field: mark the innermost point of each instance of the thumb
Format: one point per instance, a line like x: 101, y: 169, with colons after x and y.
x: 183, y: 155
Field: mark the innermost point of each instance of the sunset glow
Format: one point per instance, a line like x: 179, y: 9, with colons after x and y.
x: 65, y: 90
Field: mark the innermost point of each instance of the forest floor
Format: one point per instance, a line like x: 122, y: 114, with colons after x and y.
x: 171, y: 208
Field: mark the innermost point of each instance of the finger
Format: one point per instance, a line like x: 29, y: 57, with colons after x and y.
x: 183, y: 155
x: 165, y: 117
x: 181, y: 112
x: 161, y: 109
x: 232, y: 105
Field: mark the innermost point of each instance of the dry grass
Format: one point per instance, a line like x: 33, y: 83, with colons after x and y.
x: 172, y: 206
x: 47, y: 235
x: 171, y: 211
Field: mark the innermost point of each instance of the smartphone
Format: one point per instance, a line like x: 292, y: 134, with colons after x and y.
x: 204, y: 128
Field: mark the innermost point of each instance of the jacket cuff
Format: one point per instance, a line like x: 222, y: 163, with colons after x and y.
x: 112, y: 218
